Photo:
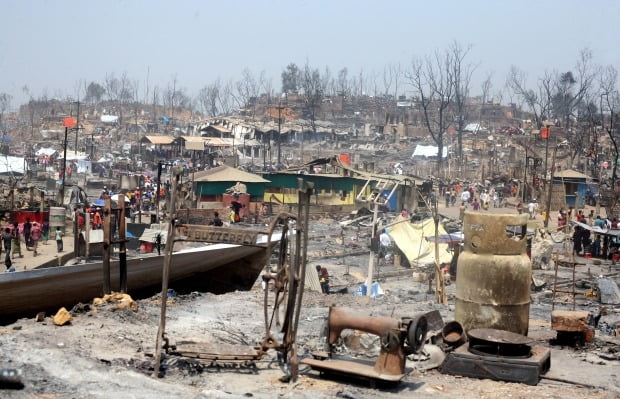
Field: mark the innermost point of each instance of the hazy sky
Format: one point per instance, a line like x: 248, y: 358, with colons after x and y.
x: 51, y: 45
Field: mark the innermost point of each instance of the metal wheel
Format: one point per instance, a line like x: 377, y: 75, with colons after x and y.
x: 276, y: 288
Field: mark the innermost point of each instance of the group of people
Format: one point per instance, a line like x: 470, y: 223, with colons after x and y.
x: 486, y: 197
x: 584, y: 240
x: 30, y: 232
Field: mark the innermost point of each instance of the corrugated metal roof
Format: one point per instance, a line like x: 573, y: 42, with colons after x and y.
x: 195, y: 139
x: 165, y: 140
x: 218, y: 142
x: 226, y: 173
x: 220, y: 128
x: 570, y: 174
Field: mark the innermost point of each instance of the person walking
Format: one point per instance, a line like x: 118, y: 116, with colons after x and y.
x: 462, y: 209
x: 35, y: 236
x: 17, y: 245
x: 475, y: 205
x: 45, y: 231
x: 484, y: 200
x: 58, y: 235
x: 465, y: 196
x: 531, y: 209
x: 385, y: 243
x: 27, y: 229
x: 7, y: 239
x: 97, y: 222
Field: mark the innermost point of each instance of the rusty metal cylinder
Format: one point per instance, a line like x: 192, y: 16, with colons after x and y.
x: 494, y: 273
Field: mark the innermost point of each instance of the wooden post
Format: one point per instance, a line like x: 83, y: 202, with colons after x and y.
x: 106, y: 245
x: 371, y: 257
x: 76, y: 233
x: 87, y: 234
x: 122, y: 252
x: 166, y: 271
x: 440, y: 291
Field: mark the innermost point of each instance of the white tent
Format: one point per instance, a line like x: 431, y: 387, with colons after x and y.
x: 72, y: 155
x: 12, y: 165
x: 109, y: 118
x: 84, y: 166
x: 472, y: 127
x: 428, y: 151
x: 45, y: 151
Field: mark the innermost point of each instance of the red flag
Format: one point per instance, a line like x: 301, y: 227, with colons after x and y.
x: 70, y: 122
x: 544, y: 132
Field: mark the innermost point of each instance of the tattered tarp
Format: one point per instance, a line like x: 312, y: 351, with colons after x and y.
x: 12, y: 165
x: 411, y: 239
x: 150, y: 234
x: 472, y: 127
x: 428, y: 151
x: 449, y: 238
x: 597, y: 229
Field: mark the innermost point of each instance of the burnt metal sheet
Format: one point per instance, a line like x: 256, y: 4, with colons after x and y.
x: 498, y: 336
x: 356, y: 367
x: 527, y: 371
x: 433, y: 318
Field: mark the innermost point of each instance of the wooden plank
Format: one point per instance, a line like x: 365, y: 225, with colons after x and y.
x: 571, y: 292
x: 569, y: 320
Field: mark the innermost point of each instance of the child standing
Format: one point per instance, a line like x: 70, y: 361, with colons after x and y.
x: 58, y: 234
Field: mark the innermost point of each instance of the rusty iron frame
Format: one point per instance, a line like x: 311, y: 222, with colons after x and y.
x: 287, y: 283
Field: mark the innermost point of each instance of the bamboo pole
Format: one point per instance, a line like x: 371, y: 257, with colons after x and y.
x: 166, y: 271
x: 106, y: 245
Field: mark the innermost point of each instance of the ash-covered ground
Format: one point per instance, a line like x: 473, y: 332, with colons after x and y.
x: 108, y: 352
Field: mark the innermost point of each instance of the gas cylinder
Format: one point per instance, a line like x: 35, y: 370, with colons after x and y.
x: 494, y: 273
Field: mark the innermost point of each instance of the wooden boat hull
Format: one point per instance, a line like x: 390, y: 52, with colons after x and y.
x: 217, y: 268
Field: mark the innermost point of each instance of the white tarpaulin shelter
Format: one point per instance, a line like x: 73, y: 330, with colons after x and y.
x: 12, y: 165
x: 109, y: 118
x: 428, y: 151
x: 84, y: 166
x: 45, y: 151
x: 72, y: 155
x: 472, y: 127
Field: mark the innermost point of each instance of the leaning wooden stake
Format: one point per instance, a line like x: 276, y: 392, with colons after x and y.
x: 166, y: 272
